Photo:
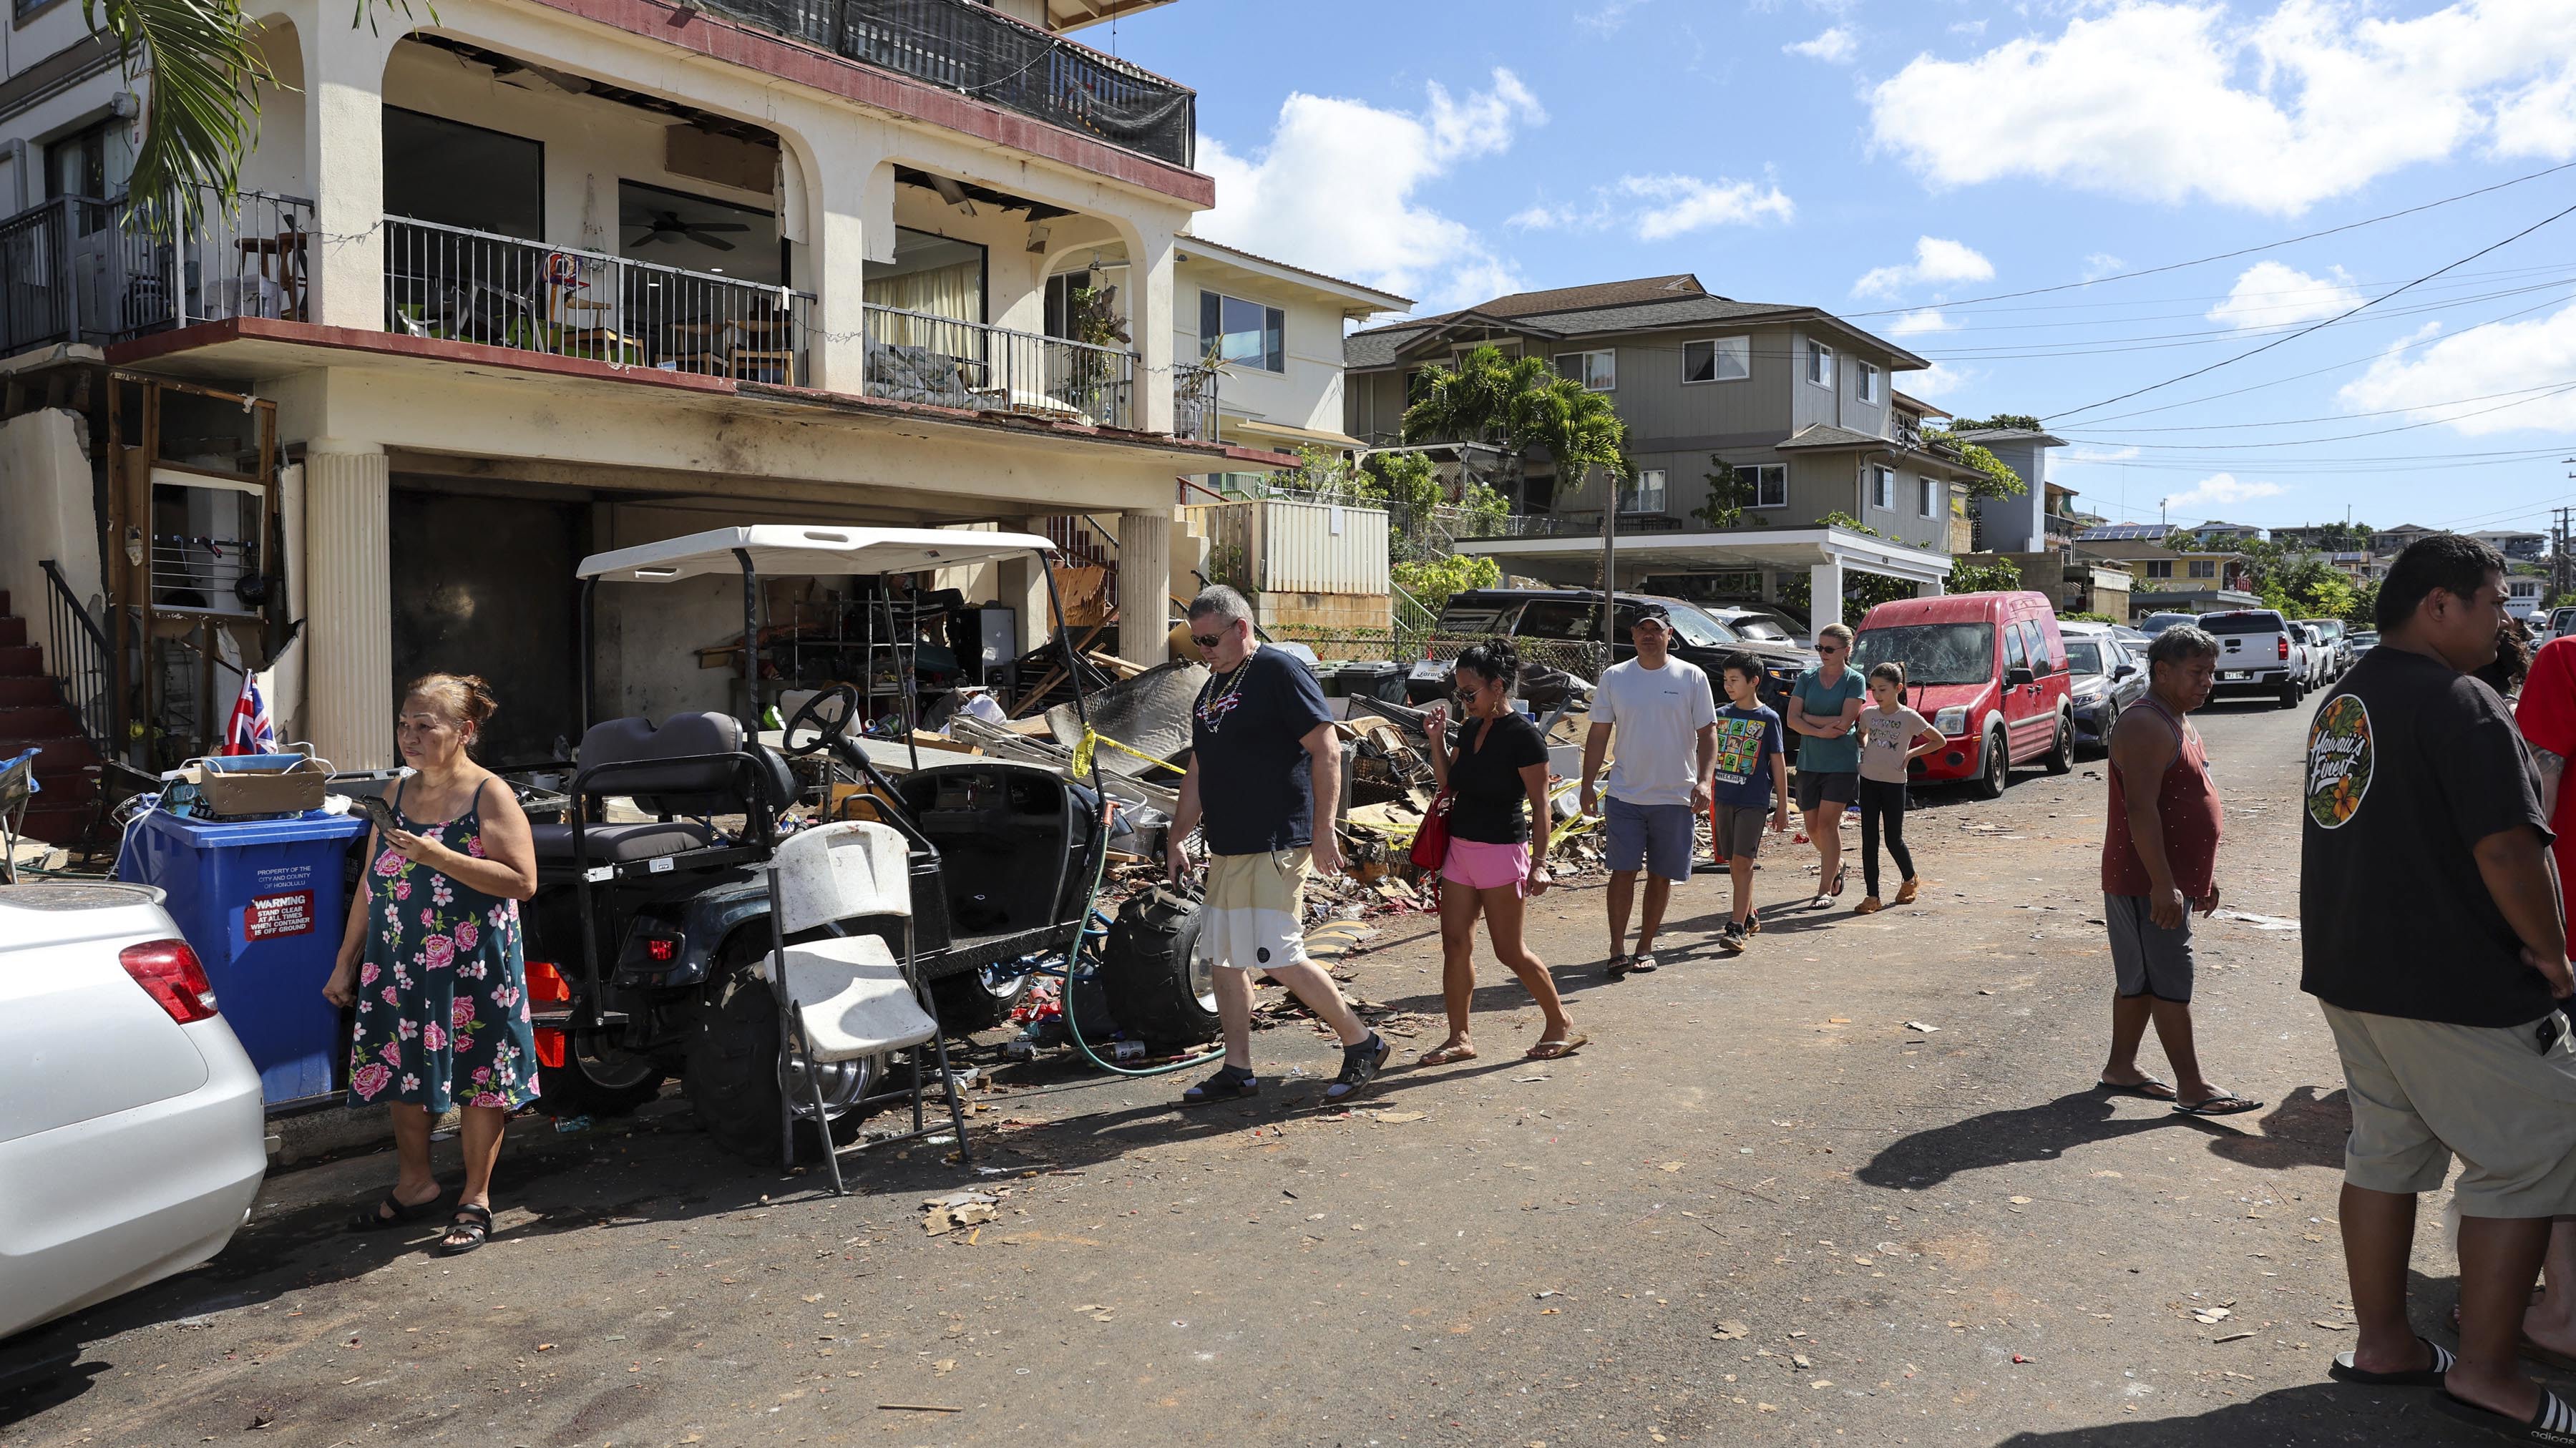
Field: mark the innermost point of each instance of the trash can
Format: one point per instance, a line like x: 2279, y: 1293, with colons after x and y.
x: 1368, y: 679
x: 263, y: 905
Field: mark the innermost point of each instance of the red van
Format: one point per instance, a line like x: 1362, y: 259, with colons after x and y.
x: 1989, y: 671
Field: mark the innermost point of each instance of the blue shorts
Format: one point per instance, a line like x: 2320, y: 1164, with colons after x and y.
x: 1657, y: 837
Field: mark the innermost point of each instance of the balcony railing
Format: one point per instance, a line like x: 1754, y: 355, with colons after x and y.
x: 82, y: 269
x: 964, y: 46
x: 1194, y: 414
x: 2061, y: 526
x: 473, y: 286
x: 944, y: 362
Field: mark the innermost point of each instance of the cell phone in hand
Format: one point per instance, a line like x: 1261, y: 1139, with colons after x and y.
x: 376, y: 810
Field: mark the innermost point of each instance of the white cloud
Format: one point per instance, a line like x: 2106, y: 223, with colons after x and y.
x: 1541, y: 218
x: 2101, y: 264
x: 2170, y: 100
x: 1936, y: 262
x: 2270, y: 294
x: 1937, y: 381
x: 1607, y: 18
x: 2219, y: 490
x: 2494, y: 360
x: 1920, y: 321
x: 1833, y: 46
x: 1678, y: 204
x: 1968, y: 27
x: 1335, y: 188
x: 2095, y: 455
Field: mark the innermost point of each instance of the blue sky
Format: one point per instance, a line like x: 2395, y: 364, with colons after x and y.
x: 1898, y: 160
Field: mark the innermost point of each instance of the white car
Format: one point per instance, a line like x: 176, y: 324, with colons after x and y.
x: 131, y: 1135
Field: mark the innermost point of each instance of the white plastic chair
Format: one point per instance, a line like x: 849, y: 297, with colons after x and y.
x: 846, y: 998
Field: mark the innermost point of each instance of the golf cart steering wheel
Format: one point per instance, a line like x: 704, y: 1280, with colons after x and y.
x: 809, y: 715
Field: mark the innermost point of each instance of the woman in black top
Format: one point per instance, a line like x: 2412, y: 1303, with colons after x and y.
x: 1495, y: 768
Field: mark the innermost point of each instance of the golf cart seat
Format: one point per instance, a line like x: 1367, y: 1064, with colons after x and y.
x: 689, y: 764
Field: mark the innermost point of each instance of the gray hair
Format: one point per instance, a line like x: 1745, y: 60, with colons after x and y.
x: 1221, y: 601
x: 2180, y: 644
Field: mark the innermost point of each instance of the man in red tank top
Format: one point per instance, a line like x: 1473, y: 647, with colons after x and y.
x: 2159, y: 863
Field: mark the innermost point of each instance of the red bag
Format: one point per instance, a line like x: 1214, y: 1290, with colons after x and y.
x: 1431, y: 842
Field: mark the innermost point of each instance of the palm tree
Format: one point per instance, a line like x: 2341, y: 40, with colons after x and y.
x: 1521, y: 404
x: 204, y: 99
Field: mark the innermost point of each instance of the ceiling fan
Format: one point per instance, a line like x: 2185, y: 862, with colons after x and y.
x: 667, y: 226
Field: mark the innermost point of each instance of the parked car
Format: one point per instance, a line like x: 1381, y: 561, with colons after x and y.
x: 131, y: 1140
x: 2363, y: 641
x: 1989, y: 670
x: 1573, y: 615
x: 2256, y: 655
x: 2338, y: 640
x: 2562, y: 622
x: 2104, y: 678
x: 1760, y: 623
x: 2316, y: 658
x: 2156, y: 623
x: 2136, y: 639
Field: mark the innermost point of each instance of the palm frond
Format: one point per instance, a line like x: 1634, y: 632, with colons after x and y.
x: 203, y: 112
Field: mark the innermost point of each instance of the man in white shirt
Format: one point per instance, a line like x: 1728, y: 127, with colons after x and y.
x: 1665, y: 719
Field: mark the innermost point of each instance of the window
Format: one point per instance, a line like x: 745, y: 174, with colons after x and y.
x: 1882, y: 488
x: 1770, y: 482
x: 1719, y: 359
x: 1820, y: 364
x: 2037, y: 647
x: 935, y: 276
x: 460, y: 175
x: 697, y: 234
x: 1417, y: 385
x: 1597, y: 371
x: 1242, y: 331
x: 1646, y: 494
x: 93, y: 162
x: 2204, y: 568
x: 2160, y: 568
x: 1550, y: 620
x: 1865, y: 381
x: 1927, y: 495
x: 1064, y: 299
x: 2016, y: 653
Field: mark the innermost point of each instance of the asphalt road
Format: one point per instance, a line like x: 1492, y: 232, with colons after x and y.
x: 1766, y: 1205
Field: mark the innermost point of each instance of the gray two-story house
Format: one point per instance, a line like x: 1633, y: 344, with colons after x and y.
x: 1799, y: 402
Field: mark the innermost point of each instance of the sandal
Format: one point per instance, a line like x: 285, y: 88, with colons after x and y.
x: 1906, y: 893
x: 2145, y: 1087
x: 1837, y: 890
x: 1641, y: 963
x: 1230, y: 1083
x: 471, y: 1223
x: 2342, y: 1371
x: 374, y: 1219
x: 1444, y: 1055
x: 1557, y: 1050
x: 2552, y: 1422
x: 2222, y: 1103
x: 1619, y: 966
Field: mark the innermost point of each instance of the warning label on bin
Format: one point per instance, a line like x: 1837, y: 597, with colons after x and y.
x: 270, y: 916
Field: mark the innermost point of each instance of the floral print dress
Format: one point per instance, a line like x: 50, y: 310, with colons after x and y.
x: 442, y: 986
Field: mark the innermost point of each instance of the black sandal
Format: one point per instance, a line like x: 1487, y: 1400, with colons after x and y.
x: 1230, y: 1083
x: 2342, y: 1371
x: 476, y: 1231
x: 373, y: 1219
x: 2552, y: 1422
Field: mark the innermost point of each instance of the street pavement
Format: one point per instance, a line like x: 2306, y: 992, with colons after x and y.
x: 1853, y: 1184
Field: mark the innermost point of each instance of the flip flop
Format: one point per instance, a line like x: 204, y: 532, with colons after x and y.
x: 1557, y: 1050
x: 2225, y: 1103
x: 1443, y: 1055
x: 2552, y: 1422
x: 1619, y: 965
x: 2146, y: 1088
x: 1839, y: 872
x: 1642, y: 963
x: 2342, y: 1371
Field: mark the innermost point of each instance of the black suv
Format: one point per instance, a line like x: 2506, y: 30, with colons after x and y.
x: 1573, y: 615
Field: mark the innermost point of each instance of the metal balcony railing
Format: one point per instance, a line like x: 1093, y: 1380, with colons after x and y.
x: 973, y: 49
x: 80, y: 660
x: 473, y: 286
x: 85, y: 269
x: 945, y: 362
x: 1194, y: 414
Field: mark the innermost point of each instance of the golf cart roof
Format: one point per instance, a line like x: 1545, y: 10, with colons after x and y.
x: 793, y: 550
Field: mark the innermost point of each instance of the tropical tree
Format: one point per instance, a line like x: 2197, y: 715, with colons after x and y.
x: 1521, y: 404
x: 1728, y: 495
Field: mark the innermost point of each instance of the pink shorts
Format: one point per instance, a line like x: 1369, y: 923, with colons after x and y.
x: 1481, y: 866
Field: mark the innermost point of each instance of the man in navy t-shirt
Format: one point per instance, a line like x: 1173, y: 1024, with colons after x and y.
x: 1265, y: 774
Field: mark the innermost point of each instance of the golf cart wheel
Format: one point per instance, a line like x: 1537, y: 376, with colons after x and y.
x: 973, y: 1001
x: 2061, y: 755
x: 1997, y: 767
x: 1156, y: 986
x: 2289, y: 696
x: 735, y: 1076
x: 598, y: 1078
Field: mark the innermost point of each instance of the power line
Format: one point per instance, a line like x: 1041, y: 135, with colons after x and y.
x: 2339, y: 437
x: 2328, y: 322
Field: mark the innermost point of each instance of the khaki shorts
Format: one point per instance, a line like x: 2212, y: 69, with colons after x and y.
x: 1254, y: 914
x: 2425, y: 1091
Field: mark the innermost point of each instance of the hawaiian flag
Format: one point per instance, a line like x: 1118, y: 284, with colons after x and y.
x: 251, y: 731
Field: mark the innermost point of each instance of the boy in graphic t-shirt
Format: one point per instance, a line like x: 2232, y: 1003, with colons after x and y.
x: 1751, y: 779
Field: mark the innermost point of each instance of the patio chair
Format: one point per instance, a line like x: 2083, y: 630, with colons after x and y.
x: 18, y: 786
x: 846, y: 998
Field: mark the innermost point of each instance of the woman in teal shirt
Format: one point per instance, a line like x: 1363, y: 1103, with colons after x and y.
x: 1824, y: 712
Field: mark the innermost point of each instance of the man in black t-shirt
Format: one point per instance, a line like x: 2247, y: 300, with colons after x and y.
x: 2432, y: 940
x: 1265, y: 774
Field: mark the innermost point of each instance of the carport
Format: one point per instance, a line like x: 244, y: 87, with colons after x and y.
x: 1821, y: 553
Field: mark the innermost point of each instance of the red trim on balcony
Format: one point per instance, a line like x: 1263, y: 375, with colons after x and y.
x: 803, y: 64
x: 398, y: 344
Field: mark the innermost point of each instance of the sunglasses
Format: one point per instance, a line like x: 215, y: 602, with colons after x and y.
x: 1207, y: 641
x: 1829, y: 648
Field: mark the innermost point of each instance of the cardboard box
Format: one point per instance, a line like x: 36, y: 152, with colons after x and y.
x: 267, y: 784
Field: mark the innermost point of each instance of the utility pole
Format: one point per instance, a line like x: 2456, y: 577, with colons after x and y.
x: 1609, y: 561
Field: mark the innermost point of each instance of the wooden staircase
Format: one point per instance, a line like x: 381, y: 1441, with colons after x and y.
x: 34, y: 714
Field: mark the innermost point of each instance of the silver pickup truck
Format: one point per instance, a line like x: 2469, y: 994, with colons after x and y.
x: 2256, y: 655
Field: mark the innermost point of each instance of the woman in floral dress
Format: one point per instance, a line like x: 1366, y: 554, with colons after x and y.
x: 432, y: 962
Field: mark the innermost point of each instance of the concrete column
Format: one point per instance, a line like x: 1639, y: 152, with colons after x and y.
x: 344, y: 163
x: 1150, y: 323
x: 1824, y: 597
x: 1932, y: 588
x: 1144, y: 573
x: 348, y: 592
x: 852, y: 225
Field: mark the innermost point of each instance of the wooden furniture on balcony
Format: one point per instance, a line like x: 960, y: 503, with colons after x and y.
x: 287, y: 251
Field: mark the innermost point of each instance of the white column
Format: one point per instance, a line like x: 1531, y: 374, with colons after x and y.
x: 1144, y: 573
x: 344, y: 163
x: 1150, y: 322
x: 348, y: 592
x: 852, y: 224
x: 1932, y: 588
x: 1824, y: 596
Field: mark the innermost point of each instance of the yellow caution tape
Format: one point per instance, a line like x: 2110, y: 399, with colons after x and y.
x: 1092, y: 739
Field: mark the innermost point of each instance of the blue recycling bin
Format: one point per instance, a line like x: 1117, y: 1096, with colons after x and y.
x: 261, y: 902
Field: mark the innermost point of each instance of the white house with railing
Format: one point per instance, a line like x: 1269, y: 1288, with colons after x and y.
x: 526, y: 279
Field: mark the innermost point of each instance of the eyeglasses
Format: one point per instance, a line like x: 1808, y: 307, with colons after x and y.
x: 1207, y: 641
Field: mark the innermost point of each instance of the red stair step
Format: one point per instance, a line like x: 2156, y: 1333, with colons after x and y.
x: 39, y: 721
x: 27, y: 691
x: 22, y: 659
x: 13, y: 631
x: 64, y: 753
x: 59, y: 824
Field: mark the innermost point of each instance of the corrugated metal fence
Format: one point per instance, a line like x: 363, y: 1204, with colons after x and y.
x: 1289, y: 546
